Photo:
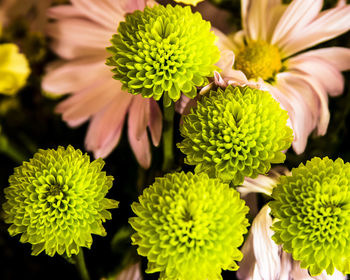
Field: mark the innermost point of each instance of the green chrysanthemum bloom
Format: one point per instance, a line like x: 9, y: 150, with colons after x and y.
x: 235, y: 133
x: 312, y: 208
x: 57, y: 200
x: 163, y: 51
x: 189, y: 227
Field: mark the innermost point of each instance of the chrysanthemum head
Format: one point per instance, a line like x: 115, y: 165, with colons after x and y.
x: 312, y: 208
x: 57, y: 200
x: 189, y: 226
x: 163, y: 51
x: 235, y: 133
x: 258, y: 59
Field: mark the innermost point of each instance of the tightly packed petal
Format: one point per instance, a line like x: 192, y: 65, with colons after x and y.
x: 80, y: 36
x: 267, y: 51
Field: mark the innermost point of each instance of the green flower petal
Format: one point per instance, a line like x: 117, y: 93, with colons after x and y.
x: 163, y: 51
x: 57, y: 200
x: 313, y: 211
x: 235, y: 133
x: 189, y: 227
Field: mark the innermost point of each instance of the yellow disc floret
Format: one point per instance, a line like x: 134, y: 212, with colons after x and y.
x: 258, y: 59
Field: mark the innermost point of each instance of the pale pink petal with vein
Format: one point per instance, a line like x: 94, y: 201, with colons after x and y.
x: 261, y: 259
x: 140, y: 147
x: 133, y: 272
x: 155, y: 123
x: 78, y: 38
x: 327, y: 25
x: 298, y: 14
x: 335, y: 56
x: 64, y: 11
x: 139, y: 116
x: 327, y: 74
x: 102, y: 12
x: 89, y: 101
x: 69, y: 76
x: 257, y: 25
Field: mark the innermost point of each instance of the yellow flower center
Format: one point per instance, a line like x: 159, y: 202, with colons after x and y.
x: 258, y: 59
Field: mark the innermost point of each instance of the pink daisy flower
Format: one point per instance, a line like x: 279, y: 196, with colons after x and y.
x: 267, y: 52
x: 80, y: 35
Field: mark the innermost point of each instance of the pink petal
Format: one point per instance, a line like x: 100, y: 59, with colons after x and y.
x: 64, y: 11
x: 155, y: 122
x: 286, y: 265
x: 236, y: 77
x: 226, y: 61
x: 337, y: 275
x: 258, y: 12
x: 219, y: 81
x: 141, y: 148
x: 64, y: 77
x: 336, y: 56
x: 103, y: 12
x: 139, y: 114
x: 76, y: 122
x: 288, y: 93
x: 238, y: 40
x: 262, y: 184
x: 108, y: 146
x: 74, y: 38
x: 317, y: 100
x: 224, y: 42
x: 90, y: 100
x: 261, y: 259
x: 106, y: 125
x: 248, y: 264
x: 133, y: 272
x: 244, y: 12
x: 327, y: 74
x: 276, y: 12
x: 298, y: 14
x: 327, y: 25
x: 128, y: 6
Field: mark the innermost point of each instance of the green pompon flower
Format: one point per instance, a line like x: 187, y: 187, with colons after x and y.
x: 163, y: 51
x: 235, y: 133
x: 312, y: 209
x: 189, y: 227
x: 57, y: 200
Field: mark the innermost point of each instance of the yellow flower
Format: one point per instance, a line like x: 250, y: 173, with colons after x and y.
x: 189, y: 2
x: 14, y: 69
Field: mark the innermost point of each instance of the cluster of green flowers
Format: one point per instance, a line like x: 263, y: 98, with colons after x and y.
x: 189, y: 226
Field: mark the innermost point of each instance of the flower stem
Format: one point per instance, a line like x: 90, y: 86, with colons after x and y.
x: 81, y: 266
x: 168, y: 137
x: 10, y: 150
